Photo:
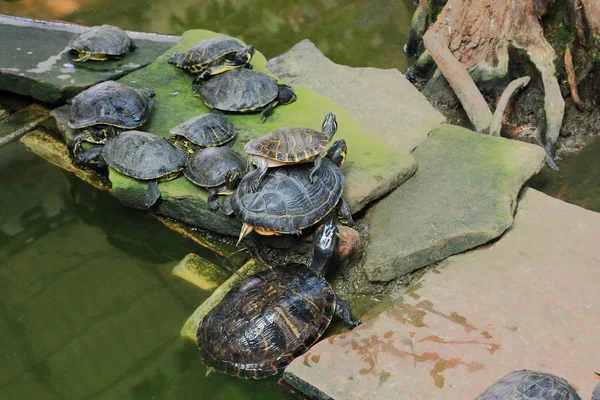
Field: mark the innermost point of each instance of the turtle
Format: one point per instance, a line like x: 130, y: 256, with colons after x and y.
x: 146, y: 157
x: 244, y: 90
x: 217, y: 169
x: 287, y: 146
x: 273, y: 316
x: 532, y: 385
x: 101, y: 43
x: 287, y: 202
x: 206, y: 130
x: 104, y: 110
x: 213, y: 56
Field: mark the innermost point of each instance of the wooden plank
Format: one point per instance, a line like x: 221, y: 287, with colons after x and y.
x: 26, y: 119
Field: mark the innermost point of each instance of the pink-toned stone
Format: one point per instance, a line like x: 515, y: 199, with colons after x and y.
x: 349, y: 242
x: 530, y: 300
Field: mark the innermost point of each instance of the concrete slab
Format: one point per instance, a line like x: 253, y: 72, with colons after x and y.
x: 463, y: 195
x: 35, y: 60
x: 530, y: 301
x: 383, y: 99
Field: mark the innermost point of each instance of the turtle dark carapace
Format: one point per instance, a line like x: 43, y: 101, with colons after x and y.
x: 213, y: 56
x: 244, y: 90
x: 287, y: 146
x: 101, y: 43
x: 271, y: 317
x: 103, y: 111
x: 206, y: 130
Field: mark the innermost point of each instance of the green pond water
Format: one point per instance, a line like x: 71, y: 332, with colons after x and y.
x: 88, y: 306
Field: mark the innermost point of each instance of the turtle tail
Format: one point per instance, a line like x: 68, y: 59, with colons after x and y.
x: 177, y: 59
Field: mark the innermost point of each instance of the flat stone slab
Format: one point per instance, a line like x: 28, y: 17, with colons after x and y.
x: 383, y: 99
x: 463, y: 195
x: 35, y: 59
x: 530, y: 301
x: 372, y: 168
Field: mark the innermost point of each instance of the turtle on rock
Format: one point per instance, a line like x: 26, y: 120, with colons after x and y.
x: 206, y: 130
x: 244, y: 90
x: 287, y: 202
x: 213, y: 56
x: 533, y: 385
x: 287, y: 146
x: 101, y: 43
x: 216, y: 169
x: 145, y: 157
x: 104, y: 110
x: 274, y: 316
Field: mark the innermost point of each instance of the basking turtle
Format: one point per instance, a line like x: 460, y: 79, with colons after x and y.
x: 104, y: 110
x: 244, y: 90
x: 206, y: 130
x: 287, y: 202
x: 146, y: 157
x: 213, y: 56
x: 217, y: 169
x: 271, y: 317
x: 101, y: 43
x: 289, y: 146
x: 532, y: 385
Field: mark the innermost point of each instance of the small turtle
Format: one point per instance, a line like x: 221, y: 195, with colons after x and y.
x: 206, y: 130
x: 244, y: 90
x: 146, y: 157
x: 101, y: 43
x: 217, y: 169
x: 104, y: 110
x: 213, y: 56
x: 532, y: 385
x: 287, y: 146
x: 287, y: 202
x: 274, y: 316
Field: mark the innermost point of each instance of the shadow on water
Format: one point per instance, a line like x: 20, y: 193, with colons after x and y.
x: 89, y: 308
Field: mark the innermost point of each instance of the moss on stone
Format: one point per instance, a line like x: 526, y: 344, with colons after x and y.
x: 200, y: 272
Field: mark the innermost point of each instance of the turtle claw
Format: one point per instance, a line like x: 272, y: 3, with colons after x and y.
x: 213, y: 205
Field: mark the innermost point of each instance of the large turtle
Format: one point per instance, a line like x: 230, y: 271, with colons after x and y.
x: 213, y: 56
x: 146, y: 157
x: 244, y: 90
x: 205, y: 130
x: 104, y: 110
x: 217, y: 169
x: 532, y: 385
x: 287, y: 202
x: 271, y: 317
x: 101, y: 43
x: 287, y: 146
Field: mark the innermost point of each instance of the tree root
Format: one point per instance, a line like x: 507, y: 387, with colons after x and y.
x: 581, y: 106
x: 511, y: 89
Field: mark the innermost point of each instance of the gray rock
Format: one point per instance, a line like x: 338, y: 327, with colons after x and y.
x: 382, y: 99
x: 463, y: 195
x: 35, y: 59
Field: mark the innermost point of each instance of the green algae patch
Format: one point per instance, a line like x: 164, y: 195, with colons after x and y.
x: 200, y: 272
x: 191, y: 325
x: 372, y: 169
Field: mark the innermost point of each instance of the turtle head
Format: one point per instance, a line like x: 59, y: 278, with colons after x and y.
x: 286, y: 94
x: 244, y: 56
x: 326, y: 242
x: 337, y: 152
x: 231, y: 177
x: 329, y: 126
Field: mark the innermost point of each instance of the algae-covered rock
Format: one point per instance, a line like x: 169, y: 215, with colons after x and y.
x: 200, y: 272
x: 372, y: 168
x: 463, y: 195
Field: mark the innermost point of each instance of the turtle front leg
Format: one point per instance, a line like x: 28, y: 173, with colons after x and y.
x: 268, y: 110
x: 74, y: 145
x: 92, y: 157
x: 345, y: 213
x: 342, y: 311
x: 314, y: 169
x: 212, y: 199
x: 256, y: 175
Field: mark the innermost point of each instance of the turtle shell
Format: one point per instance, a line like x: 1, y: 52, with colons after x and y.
x: 240, y: 90
x: 287, y: 201
x: 143, y: 156
x: 289, y: 145
x: 208, y: 167
x: 206, y: 51
x: 105, y: 39
x: 111, y: 103
x: 266, y: 321
x: 529, y: 385
x: 206, y: 130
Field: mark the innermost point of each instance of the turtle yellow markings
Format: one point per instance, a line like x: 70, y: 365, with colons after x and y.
x: 288, y: 322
